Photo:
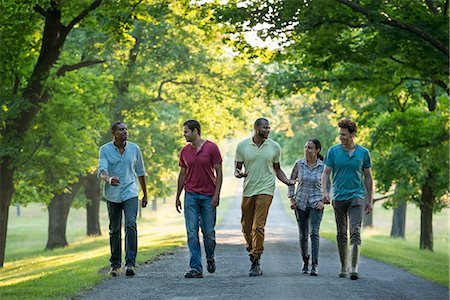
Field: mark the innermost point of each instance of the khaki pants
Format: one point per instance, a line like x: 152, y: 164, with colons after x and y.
x: 254, y: 215
x: 349, y: 211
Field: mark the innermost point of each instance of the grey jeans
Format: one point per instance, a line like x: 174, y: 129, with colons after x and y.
x: 349, y: 210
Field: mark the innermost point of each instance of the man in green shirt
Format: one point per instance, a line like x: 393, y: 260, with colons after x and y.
x: 349, y: 165
x: 261, y: 158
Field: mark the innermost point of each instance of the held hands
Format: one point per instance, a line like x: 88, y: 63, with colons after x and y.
x: 291, y: 182
x: 239, y: 174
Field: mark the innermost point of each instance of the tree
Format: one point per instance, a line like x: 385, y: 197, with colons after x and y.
x: 24, y: 90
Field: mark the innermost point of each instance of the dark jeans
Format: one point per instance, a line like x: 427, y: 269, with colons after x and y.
x: 349, y: 210
x: 130, y: 209
x: 198, y: 212
x: 309, y: 224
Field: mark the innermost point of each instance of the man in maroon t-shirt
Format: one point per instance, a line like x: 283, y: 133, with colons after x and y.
x: 199, y: 160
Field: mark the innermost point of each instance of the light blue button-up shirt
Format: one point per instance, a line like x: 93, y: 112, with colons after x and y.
x: 127, y: 166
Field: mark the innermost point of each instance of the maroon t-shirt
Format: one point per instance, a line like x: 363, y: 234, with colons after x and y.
x: 200, y: 177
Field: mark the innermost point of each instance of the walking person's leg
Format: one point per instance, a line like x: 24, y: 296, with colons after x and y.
x: 316, y: 219
x: 248, y: 211
x: 191, y: 216
x: 262, y: 205
x: 356, y: 212
x: 303, y: 228
x: 341, y: 215
x: 115, y: 236
x: 208, y: 222
x: 130, y: 209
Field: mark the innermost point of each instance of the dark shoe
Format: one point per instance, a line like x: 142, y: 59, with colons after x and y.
x: 355, y: 250
x: 114, y: 272
x: 342, y: 273
x: 305, y: 264
x: 130, y: 271
x: 211, y: 265
x: 314, y: 267
x: 255, y: 270
x: 193, y: 274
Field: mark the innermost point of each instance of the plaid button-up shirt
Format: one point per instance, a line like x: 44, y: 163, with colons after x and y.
x: 309, y: 187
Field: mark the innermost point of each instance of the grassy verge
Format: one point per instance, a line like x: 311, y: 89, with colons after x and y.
x: 30, y: 272
x: 403, y: 253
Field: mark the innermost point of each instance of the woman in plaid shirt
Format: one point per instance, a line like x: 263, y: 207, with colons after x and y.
x: 307, y: 202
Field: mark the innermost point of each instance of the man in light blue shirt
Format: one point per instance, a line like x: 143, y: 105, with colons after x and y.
x: 120, y: 163
x: 348, y: 163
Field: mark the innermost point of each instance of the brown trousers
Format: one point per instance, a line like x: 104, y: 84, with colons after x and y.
x: 254, y: 215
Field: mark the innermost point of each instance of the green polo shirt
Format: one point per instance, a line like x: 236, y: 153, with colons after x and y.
x: 347, y: 172
x: 258, y: 162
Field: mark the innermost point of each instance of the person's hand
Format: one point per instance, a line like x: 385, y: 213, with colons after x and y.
x: 239, y: 174
x: 291, y: 182
x: 178, y: 205
x: 293, y: 203
x: 144, y: 201
x: 215, y: 201
x: 326, y: 198
x: 368, y: 208
x: 319, y: 205
x: 114, y: 180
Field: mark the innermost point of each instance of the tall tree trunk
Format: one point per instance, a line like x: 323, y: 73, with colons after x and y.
x: 154, y: 204
x: 6, y: 193
x: 58, y: 211
x: 399, y: 221
x: 53, y: 38
x: 426, y: 215
x: 94, y: 195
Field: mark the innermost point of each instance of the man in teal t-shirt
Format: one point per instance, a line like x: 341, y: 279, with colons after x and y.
x: 350, y: 167
x: 261, y: 158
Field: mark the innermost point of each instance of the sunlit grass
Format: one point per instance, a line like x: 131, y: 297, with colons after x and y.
x: 30, y: 272
x: 403, y: 253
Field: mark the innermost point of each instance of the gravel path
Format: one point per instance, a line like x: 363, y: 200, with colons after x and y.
x: 282, y: 279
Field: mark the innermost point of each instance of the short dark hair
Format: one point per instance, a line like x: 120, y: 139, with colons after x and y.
x: 350, y: 125
x: 193, y: 124
x: 115, y: 125
x: 259, y: 121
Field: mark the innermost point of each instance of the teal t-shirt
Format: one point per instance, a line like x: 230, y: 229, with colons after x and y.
x: 347, y: 172
x: 259, y: 164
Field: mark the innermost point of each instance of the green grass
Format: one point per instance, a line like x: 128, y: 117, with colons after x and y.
x: 403, y: 253
x: 30, y: 272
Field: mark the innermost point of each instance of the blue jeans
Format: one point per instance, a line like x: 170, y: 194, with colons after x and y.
x: 198, y: 212
x: 130, y: 209
x: 309, y: 224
